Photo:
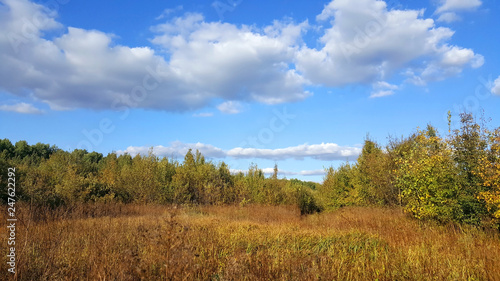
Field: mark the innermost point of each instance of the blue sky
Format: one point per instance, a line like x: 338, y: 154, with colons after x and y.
x: 296, y: 83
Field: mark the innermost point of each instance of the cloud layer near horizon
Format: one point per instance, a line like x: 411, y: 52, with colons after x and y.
x: 208, y: 62
x: 323, y: 151
x: 270, y: 171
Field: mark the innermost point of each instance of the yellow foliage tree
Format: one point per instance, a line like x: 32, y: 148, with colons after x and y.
x: 489, y: 171
x: 425, y: 174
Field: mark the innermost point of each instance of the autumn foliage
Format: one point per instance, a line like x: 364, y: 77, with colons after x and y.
x: 453, y: 178
x: 57, y: 178
x: 447, y: 179
x: 397, y: 213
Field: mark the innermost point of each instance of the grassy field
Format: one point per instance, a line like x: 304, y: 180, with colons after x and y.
x: 118, y: 242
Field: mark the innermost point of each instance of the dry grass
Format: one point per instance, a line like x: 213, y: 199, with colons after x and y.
x: 116, y: 242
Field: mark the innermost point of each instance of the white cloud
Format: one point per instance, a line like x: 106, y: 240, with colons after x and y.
x: 496, y: 87
x: 447, y: 10
x: 382, y: 89
x: 366, y: 42
x: 270, y: 171
x: 206, y: 61
x: 323, y: 151
x: 385, y: 85
x: 22, y: 107
x: 176, y: 150
x: 381, y: 93
x: 230, y: 107
x: 312, y: 173
x: 448, y: 17
x: 457, y: 57
x: 458, y: 5
x: 450, y: 63
x: 200, y: 62
x: 413, y: 78
x: 79, y: 69
x: 203, y: 114
x: 235, y: 63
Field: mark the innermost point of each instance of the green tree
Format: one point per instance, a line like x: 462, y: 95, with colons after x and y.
x: 373, y: 177
x: 338, y: 190
x: 469, y: 145
x: 489, y: 171
x: 22, y: 149
x: 6, y: 149
x: 185, y: 181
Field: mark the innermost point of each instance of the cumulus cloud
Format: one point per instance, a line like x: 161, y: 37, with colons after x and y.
x: 22, y: 107
x: 323, y: 151
x: 206, y: 61
x: 496, y: 87
x: 230, y: 107
x: 235, y: 63
x: 79, y: 69
x: 199, y: 62
x: 365, y: 42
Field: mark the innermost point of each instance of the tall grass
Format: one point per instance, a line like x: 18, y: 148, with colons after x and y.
x: 148, y: 242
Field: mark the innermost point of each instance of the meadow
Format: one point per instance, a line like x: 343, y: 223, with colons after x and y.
x: 252, y: 242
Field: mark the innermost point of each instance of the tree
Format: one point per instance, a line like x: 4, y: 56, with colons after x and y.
x: 22, y: 149
x: 373, y: 179
x: 6, y: 149
x: 338, y: 190
x: 425, y: 174
x: 469, y: 145
x: 275, y: 172
x: 42, y: 151
x: 489, y: 172
x: 228, y: 193
x: 306, y: 202
x: 185, y: 181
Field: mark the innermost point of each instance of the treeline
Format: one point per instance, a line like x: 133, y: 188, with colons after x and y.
x: 453, y: 178
x: 52, y: 177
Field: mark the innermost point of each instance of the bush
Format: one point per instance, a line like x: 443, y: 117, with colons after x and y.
x: 306, y: 202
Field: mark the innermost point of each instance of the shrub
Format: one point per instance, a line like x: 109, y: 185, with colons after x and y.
x: 306, y: 202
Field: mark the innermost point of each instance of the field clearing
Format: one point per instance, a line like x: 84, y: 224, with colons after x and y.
x: 149, y: 242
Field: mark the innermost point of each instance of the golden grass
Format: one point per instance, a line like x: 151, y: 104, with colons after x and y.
x: 121, y: 242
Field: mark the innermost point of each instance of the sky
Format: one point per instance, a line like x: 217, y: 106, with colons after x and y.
x: 300, y: 84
